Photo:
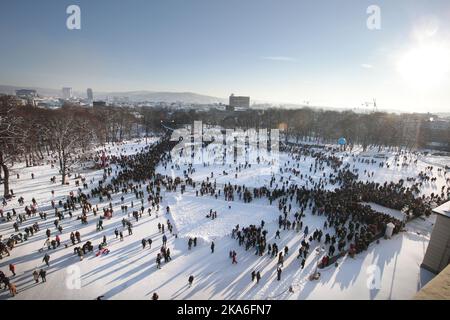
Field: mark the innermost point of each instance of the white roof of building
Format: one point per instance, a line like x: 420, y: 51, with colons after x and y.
x: 443, y: 209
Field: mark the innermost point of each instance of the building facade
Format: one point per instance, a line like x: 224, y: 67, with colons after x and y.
x: 26, y: 96
x: 90, y: 95
x: 436, y: 289
x: 437, y: 256
x: 67, y: 93
x: 437, y: 133
x: 99, y: 104
x: 26, y: 93
x: 239, y: 102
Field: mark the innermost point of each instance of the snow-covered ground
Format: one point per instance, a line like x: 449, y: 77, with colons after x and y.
x: 129, y: 271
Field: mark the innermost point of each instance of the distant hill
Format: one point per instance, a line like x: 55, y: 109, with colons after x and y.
x: 41, y: 91
x: 187, y: 97
x: 136, y: 96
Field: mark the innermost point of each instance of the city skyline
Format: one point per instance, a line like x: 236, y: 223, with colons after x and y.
x: 294, y: 52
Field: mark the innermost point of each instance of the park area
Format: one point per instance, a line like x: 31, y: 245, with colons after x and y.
x: 180, y: 202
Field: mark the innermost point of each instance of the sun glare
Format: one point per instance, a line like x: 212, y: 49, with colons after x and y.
x: 426, y: 66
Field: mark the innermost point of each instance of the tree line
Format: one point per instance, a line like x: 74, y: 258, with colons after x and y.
x: 28, y: 134
x: 365, y: 129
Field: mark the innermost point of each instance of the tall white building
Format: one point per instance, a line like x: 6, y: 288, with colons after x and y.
x: 90, y: 95
x: 67, y: 93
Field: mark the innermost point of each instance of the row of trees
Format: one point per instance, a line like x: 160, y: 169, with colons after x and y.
x: 379, y: 128
x: 29, y: 134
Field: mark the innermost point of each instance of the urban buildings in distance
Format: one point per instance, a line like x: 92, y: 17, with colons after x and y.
x: 90, y: 95
x: 239, y: 102
x: 26, y: 93
x: 67, y: 93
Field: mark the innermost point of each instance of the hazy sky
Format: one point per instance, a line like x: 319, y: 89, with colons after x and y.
x: 277, y: 50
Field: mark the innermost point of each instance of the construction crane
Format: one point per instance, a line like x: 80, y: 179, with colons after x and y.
x: 372, y: 104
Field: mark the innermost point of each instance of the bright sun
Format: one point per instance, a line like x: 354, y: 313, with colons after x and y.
x: 426, y: 66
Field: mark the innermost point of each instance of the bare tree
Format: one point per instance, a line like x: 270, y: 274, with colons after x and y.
x: 67, y: 134
x: 11, y: 138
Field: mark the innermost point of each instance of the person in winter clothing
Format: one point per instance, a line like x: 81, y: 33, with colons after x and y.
x: 12, y: 268
x: 279, y: 273
x: 258, y: 277
x: 191, y: 280
x: 155, y: 296
x: 72, y: 238
x: 78, y: 236
x: 5, y: 281
x: 43, y: 274
x: 277, y: 234
x: 234, y: 258
x: 158, y: 261
x: 36, y: 276
x: 280, y: 259
x: 212, y: 247
x: 46, y: 259
x: 12, y: 289
x: 47, y: 244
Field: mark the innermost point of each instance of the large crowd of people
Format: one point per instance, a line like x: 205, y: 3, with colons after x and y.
x: 331, y: 189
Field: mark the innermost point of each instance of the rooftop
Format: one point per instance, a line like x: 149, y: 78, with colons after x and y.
x: 438, y: 288
x: 443, y: 209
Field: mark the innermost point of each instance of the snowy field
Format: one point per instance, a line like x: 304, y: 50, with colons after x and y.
x: 129, y: 271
